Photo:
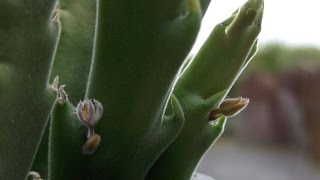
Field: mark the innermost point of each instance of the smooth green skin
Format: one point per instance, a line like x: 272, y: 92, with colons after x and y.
x: 40, y: 162
x: 27, y: 44
x: 137, y: 57
x: 65, y: 143
x: 203, y: 86
x: 74, y: 53
x: 72, y: 60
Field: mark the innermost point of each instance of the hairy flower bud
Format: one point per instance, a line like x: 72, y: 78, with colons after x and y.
x: 89, y: 113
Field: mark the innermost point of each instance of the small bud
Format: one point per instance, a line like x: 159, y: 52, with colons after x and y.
x: 56, y: 15
x: 34, y: 175
x: 55, y: 84
x: 89, y: 113
x: 62, y: 95
x: 232, y: 106
x: 91, y: 144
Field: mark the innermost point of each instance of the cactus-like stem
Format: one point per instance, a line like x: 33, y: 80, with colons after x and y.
x: 203, y: 86
x: 65, y: 142
x: 152, y: 117
x: 73, y: 59
x: 68, y: 140
x: 136, y: 59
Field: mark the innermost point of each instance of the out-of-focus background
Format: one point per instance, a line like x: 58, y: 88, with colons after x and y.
x: 278, y: 135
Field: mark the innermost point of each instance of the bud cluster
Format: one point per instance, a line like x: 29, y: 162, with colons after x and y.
x: 89, y: 113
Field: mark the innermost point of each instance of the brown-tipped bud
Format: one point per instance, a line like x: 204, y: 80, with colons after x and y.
x: 91, y: 144
x: 232, y: 106
x: 89, y: 113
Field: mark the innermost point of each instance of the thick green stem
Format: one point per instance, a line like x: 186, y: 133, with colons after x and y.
x: 137, y: 57
x: 28, y: 37
x: 139, y: 48
x: 73, y: 59
x: 204, y: 84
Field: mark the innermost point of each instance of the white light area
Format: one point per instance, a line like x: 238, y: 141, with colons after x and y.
x: 292, y: 22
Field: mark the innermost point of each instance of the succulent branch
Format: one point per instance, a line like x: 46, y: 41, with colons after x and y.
x: 203, y: 86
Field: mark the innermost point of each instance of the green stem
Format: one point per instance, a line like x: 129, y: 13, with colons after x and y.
x: 27, y: 47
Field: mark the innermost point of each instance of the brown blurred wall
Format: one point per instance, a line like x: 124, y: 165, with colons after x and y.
x: 284, y: 109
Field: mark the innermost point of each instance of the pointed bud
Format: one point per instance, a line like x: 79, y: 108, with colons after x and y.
x: 232, y: 106
x: 91, y: 144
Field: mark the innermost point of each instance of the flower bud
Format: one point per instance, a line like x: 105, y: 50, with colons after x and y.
x: 232, y: 106
x: 89, y: 113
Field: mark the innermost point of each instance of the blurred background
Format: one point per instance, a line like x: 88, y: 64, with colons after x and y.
x: 278, y: 135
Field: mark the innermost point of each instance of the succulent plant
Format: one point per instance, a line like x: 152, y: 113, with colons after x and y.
x: 125, y: 105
